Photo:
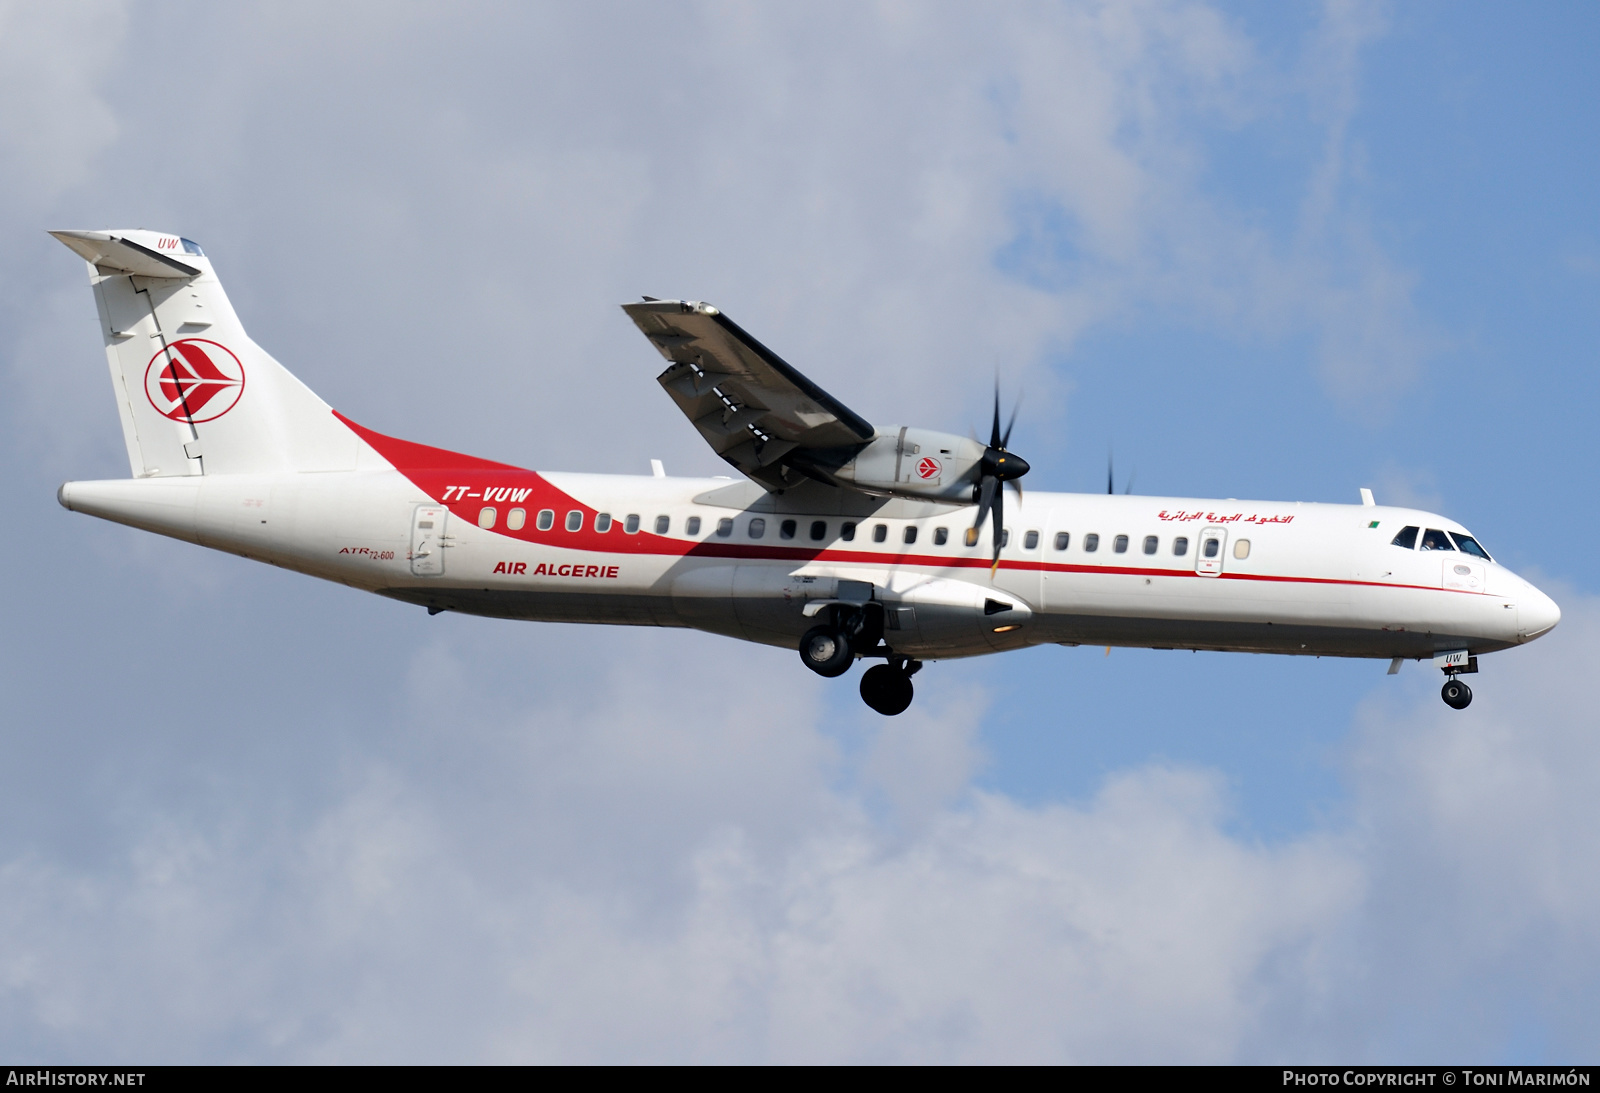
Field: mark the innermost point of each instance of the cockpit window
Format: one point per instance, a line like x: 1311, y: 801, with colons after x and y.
x: 191, y: 247
x: 1468, y: 545
x: 1434, y: 539
x: 1407, y: 537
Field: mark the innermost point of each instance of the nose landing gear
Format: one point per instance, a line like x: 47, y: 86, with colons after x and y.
x: 1456, y: 694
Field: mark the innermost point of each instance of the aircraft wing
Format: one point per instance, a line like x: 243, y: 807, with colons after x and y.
x: 753, y: 408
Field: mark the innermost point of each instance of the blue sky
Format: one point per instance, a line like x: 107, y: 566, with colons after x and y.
x: 1257, y: 251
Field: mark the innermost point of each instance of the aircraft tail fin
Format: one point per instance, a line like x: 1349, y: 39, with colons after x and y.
x: 195, y: 394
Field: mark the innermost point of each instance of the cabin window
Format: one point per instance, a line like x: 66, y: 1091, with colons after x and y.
x: 545, y: 520
x: 819, y: 530
x: 941, y: 536
x: 1468, y: 545
x: 486, y: 517
x: 1005, y: 538
x: 724, y: 528
x: 1030, y: 541
x: 1407, y: 537
x: 602, y: 522
x: 847, y: 531
x: 1151, y: 543
x: 691, y: 526
x: 1063, y: 540
x: 1241, y: 549
x: 575, y: 520
x: 1120, y: 544
x: 1180, y: 546
x: 972, y: 537
x: 663, y: 524
x: 630, y: 523
x: 910, y: 534
x: 516, y: 518
x: 1091, y: 543
x: 758, y: 527
x: 786, y: 529
x: 1211, y: 548
x: 880, y: 533
x: 1434, y: 539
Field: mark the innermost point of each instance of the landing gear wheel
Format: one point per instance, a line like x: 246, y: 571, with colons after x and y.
x: 1456, y: 694
x: 826, y: 651
x: 886, y: 689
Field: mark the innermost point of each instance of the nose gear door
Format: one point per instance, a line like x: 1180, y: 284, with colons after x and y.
x: 1208, y: 557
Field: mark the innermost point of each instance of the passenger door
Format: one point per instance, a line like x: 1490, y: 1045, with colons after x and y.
x: 427, y: 540
x: 1209, y: 552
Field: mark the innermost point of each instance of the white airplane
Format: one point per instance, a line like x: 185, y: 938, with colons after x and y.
x: 843, y: 540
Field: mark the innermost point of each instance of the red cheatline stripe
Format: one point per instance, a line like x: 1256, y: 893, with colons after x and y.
x: 423, y: 464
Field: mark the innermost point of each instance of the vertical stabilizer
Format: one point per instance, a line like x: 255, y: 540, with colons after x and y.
x: 195, y: 394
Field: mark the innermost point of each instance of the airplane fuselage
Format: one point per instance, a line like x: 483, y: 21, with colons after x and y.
x: 454, y: 533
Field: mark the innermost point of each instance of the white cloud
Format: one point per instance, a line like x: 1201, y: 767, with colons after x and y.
x: 900, y: 199
x: 668, y: 875
x: 55, y: 120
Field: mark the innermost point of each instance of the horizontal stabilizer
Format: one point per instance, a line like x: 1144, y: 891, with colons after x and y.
x: 119, y: 254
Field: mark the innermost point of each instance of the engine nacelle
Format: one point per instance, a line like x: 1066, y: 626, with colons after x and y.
x: 907, y: 462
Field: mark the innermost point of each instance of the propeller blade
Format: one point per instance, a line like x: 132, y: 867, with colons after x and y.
x: 1109, y: 487
x: 986, y: 498
x: 999, y: 467
x: 999, y: 528
x: 1005, y: 437
x: 1131, y: 477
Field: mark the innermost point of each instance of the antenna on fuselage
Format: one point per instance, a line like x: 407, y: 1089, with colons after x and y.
x: 1111, y: 488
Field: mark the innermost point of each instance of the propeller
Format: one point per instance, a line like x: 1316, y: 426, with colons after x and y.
x: 998, y: 468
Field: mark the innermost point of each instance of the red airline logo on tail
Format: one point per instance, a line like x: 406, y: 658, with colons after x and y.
x: 189, y: 382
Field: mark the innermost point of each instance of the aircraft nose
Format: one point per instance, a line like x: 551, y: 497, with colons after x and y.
x: 1537, y: 614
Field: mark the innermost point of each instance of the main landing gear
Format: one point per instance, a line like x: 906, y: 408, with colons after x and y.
x: 826, y: 651
x: 887, y: 687
x: 830, y: 648
x: 1456, y: 694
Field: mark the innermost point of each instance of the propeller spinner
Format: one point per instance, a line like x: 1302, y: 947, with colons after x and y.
x: 998, y: 468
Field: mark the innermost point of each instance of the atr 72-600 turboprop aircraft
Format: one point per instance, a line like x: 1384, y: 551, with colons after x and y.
x: 845, y: 540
